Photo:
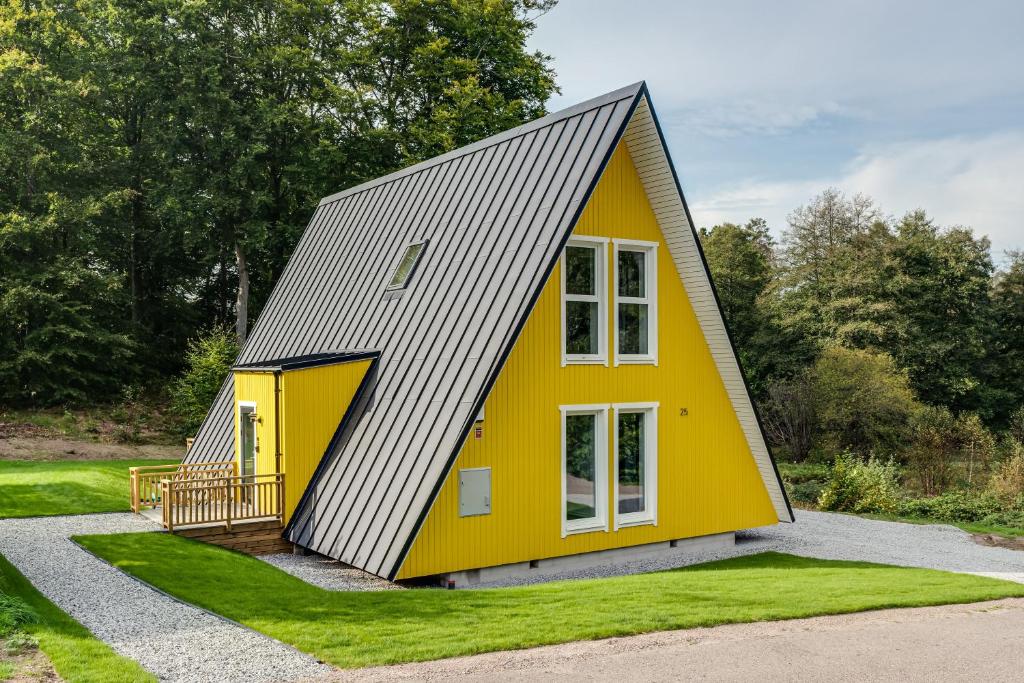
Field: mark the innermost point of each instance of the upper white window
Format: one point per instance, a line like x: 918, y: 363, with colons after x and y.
x: 407, y: 266
x: 636, y: 302
x: 584, y: 296
x: 584, y: 468
x: 636, y: 463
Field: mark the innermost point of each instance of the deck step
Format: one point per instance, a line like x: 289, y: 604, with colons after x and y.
x: 252, y: 538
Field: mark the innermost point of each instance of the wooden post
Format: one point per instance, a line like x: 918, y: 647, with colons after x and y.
x: 231, y: 504
x: 280, y: 497
x: 168, y: 503
x: 133, y: 489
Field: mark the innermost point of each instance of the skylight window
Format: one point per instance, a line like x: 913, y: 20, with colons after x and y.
x: 407, y: 266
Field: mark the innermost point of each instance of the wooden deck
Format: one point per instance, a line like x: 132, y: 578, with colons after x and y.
x: 211, y: 503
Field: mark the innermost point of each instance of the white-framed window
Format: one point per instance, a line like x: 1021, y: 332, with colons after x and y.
x: 584, y: 301
x: 636, y: 302
x: 584, y: 468
x: 406, y: 266
x: 636, y: 463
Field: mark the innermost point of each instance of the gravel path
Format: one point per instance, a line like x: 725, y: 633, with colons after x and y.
x: 175, y: 641
x: 329, y: 574
x: 834, y: 536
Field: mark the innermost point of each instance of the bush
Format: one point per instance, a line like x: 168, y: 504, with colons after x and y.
x: 208, y: 362
x: 128, y: 414
x: 943, y: 445
x: 953, y: 506
x: 804, y: 481
x: 858, y: 486
x: 1007, y: 482
x: 14, y: 613
x: 862, y: 402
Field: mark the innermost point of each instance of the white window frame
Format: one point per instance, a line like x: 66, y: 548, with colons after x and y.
x: 650, y: 513
x: 600, y: 521
x: 600, y: 247
x: 255, y: 435
x: 650, y: 251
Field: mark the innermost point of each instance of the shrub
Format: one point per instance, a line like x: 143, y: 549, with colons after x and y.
x: 862, y: 401
x: 953, y: 506
x: 14, y: 613
x: 1007, y: 482
x: 804, y: 481
x: 207, y: 363
x: 128, y: 414
x: 789, y: 416
x: 19, y: 641
x: 858, y: 486
x: 933, y: 451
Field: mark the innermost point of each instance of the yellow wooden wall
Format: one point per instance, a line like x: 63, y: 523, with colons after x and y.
x: 257, y: 387
x: 707, y: 479
x: 313, y: 402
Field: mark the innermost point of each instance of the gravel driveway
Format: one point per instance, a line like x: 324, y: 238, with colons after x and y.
x: 175, y: 641
x: 832, y: 536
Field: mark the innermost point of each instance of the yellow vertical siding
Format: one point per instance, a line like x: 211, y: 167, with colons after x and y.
x: 707, y: 479
x: 313, y: 402
x: 257, y: 387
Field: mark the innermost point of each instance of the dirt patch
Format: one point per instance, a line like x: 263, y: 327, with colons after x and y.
x: 997, y: 541
x: 55, y: 448
x: 30, y: 666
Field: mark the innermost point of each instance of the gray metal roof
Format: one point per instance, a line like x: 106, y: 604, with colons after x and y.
x: 495, y: 216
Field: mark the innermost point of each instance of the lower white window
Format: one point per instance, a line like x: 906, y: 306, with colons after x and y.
x: 584, y: 468
x: 636, y: 463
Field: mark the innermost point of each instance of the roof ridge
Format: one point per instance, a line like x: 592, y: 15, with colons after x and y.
x: 623, y: 93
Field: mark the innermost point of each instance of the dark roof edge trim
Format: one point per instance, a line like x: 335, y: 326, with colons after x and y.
x: 718, y: 301
x: 357, y: 399
x: 530, y: 126
x: 309, y: 361
x: 640, y: 88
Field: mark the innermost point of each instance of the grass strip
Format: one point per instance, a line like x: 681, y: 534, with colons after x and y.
x: 34, y: 488
x: 77, y: 655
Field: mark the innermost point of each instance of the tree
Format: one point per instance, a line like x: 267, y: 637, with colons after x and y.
x: 932, y: 454
x: 863, y: 402
x: 790, y: 416
x: 207, y: 362
x: 62, y: 340
x: 1005, y: 369
x: 823, y: 294
x: 741, y: 259
x: 939, y: 285
x: 291, y: 102
x: 162, y: 157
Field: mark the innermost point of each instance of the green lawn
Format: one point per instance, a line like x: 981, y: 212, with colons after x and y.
x: 970, y: 527
x: 360, y: 629
x: 65, y: 487
x: 76, y: 655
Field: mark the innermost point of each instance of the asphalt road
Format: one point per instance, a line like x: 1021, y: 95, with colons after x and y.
x: 976, y: 642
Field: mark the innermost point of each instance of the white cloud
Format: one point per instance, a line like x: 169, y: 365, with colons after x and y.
x: 971, y: 181
x: 754, y: 117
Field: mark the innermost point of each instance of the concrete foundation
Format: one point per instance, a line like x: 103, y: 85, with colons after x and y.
x: 557, y: 565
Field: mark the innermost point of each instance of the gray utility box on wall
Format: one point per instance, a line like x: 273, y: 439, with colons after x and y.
x: 475, y: 491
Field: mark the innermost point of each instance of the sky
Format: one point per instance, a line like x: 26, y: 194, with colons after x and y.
x: 766, y: 104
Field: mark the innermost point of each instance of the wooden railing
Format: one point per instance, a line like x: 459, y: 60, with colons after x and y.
x: 145, y: 481
x: 224, y: 499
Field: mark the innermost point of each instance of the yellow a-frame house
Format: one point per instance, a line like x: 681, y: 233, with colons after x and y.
x: 544, y: 376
